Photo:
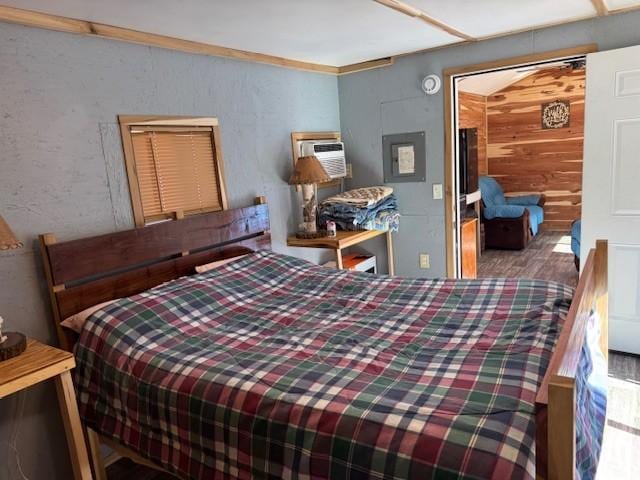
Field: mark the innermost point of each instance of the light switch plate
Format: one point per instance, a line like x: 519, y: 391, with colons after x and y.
x: 437, y: 191
x: 425, y: 261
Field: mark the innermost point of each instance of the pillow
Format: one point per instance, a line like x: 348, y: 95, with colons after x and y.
x: 76, y: 321
x: 210, y: 266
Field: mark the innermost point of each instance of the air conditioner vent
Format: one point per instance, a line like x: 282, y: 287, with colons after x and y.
x: 329, y: 153
x: 328, y: 147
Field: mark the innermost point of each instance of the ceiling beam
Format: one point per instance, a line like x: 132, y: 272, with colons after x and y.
x: 601, y: 7
x: 31, y: 18
x: 402, y: 7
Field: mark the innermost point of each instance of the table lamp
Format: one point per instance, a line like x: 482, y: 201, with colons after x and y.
x: 7, y: 239
x: 308, y: 172
x: 11, y: 343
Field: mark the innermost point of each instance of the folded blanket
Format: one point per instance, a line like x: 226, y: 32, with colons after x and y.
x: 386, y: 220
x: 382, y: 215
x: 352, y: 214
x: 361, y: 197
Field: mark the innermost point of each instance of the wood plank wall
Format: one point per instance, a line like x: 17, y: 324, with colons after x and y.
x: 472, y: 113
x: 524, y: 158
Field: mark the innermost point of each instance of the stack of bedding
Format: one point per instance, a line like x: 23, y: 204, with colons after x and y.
x: 370, y: 208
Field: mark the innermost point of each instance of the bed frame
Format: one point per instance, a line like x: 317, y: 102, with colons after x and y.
x: 81, y: 273
x: 556, y: 398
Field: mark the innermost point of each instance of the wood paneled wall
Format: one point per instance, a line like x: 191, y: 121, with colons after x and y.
x: 524, y: 158
x: 472, y: 113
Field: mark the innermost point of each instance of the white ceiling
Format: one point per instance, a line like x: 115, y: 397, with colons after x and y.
x: 487, y: 83
x: 328, y: 32
x: 621, y: 4
x: 481, y: 18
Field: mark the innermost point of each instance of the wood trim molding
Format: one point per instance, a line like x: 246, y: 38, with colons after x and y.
x: 601, y: 7
x: 411, y: 11
x: 47, y: 21
x: 59, y: 23
x: 624, y: 9
x: 449, y: 210
x: 523, y: 59
x: 447, y: 79
x: 128, y: 121
x: 361, y: 67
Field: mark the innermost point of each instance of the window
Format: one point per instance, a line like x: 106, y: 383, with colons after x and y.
x: 174, y: 166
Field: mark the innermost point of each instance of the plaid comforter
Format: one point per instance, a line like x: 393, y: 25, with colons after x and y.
x: 270, y: 367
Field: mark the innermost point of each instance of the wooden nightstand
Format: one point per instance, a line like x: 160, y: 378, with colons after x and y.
x: 41, y: 362
x: 344, y: 239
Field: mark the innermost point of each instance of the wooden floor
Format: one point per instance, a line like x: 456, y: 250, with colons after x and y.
x: 547, y: 257
x: 620, y: 459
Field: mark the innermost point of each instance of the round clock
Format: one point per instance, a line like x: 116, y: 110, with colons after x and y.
x: 431, y: 84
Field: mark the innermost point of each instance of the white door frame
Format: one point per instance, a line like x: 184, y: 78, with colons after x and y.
x: 450, y: 75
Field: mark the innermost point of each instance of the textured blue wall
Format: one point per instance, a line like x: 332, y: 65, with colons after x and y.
x: 62, y: 170
x: 61, y: 164
x: 389, y: 100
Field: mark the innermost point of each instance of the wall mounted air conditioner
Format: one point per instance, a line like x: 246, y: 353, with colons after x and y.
x: 330, y: 154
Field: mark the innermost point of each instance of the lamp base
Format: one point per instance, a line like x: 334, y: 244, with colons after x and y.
x: 14, y: 345
x: 316, y: 234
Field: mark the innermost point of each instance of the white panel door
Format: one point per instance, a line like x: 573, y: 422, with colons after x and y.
x: 611, y: 184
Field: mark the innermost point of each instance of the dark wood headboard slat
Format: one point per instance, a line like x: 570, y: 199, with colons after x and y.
x: 75, y: 299
x: 85, y: 272
x: 79, y: 259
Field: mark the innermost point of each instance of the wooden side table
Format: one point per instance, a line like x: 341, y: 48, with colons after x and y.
x: 342, y: 240
x: 469, y: 248
x: 41, y: 362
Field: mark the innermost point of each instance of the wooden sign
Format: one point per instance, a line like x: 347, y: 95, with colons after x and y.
x: 556, y: 114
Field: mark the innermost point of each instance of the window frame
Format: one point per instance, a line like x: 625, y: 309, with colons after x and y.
x: 128, y: 122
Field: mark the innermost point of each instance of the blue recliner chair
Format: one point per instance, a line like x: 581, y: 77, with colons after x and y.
x: 509, y: 222
x: 576, y: 230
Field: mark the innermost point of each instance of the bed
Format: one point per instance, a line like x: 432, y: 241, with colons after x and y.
x: 269, y: 367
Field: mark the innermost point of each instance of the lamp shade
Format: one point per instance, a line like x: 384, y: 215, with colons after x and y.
x: 7, y: 238
x: 308, y: 171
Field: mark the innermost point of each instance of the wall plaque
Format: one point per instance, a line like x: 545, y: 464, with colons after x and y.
x: 556, y: 114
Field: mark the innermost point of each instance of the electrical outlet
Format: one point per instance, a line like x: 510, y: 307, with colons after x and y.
x: 437, y: 191
x: 349, y: 170
x: 425, y: 261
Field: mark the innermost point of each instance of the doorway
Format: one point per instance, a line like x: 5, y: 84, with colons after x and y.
x: 496, y: 97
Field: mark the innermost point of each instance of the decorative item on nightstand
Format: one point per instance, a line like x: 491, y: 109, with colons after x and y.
x: 308, y: 173
x: 11, y: 343
x: 7, y: 239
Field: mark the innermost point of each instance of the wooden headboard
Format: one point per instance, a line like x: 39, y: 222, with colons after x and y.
x: 84, y: 272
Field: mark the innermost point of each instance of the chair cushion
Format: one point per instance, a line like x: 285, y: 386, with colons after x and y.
x: 524, y: 200
x: 503, y: 211
x: 491, y: 192
x: 536, y: 217
x: 575, y: 237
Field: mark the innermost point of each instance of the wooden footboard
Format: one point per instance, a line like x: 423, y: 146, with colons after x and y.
x: 556, y: 400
